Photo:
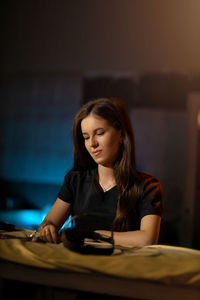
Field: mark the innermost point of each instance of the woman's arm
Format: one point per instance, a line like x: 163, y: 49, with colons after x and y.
x: 55, y: 218
x: 147, y: 235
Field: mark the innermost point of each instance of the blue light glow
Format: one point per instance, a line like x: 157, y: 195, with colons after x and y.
x: 26, y: 218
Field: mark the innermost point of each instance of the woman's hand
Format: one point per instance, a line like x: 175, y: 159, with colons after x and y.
x: 49, y: 233
x: 48, y: 230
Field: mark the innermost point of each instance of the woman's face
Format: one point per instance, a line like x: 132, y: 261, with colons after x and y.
x: 102, y: 140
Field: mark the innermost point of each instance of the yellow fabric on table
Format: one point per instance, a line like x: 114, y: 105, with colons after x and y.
x: 166, y: 264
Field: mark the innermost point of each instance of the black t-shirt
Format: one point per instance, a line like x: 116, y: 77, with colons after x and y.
x: 79, y: 189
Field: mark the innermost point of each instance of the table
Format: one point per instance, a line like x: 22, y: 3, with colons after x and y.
x: 152, y: 272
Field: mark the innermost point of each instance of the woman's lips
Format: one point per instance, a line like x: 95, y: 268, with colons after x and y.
x: 96, y: 153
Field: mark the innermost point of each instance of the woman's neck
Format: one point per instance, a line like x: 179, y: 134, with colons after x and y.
x: 106, y: 175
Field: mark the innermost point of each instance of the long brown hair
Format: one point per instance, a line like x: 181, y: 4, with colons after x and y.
x: 114, y: 111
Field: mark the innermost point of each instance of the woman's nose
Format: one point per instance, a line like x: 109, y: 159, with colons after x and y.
x: 93, y: 142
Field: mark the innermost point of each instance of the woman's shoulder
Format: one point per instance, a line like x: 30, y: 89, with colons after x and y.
x: 148, y: 180
x: 144, y: 176
x: 74, y: 175
x: 150, y: 195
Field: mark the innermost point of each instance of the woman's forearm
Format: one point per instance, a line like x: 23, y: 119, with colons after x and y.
x: 147, y: 235
x: 57, y: 215
x: 138, y: 238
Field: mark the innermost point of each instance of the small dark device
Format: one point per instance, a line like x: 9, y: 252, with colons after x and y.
x: 86, y: 241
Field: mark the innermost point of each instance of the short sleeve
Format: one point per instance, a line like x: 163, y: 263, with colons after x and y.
x: 66, y: 190
x: 151, y: 201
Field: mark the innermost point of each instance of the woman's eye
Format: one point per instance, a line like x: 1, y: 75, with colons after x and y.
x: 100, y: 133
x: 86, y: 138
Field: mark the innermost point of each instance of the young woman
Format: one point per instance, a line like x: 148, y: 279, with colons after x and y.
x: 104, y: 180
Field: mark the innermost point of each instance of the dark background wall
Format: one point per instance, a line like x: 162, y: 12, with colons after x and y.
x: 56, y: 55
x: 131, y: 36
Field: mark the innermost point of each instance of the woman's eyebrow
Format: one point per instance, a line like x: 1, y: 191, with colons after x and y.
x: 100, y: 128
x: 96, y: 129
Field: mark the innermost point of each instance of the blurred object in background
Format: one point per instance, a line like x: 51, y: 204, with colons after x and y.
x: 190, y: 225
